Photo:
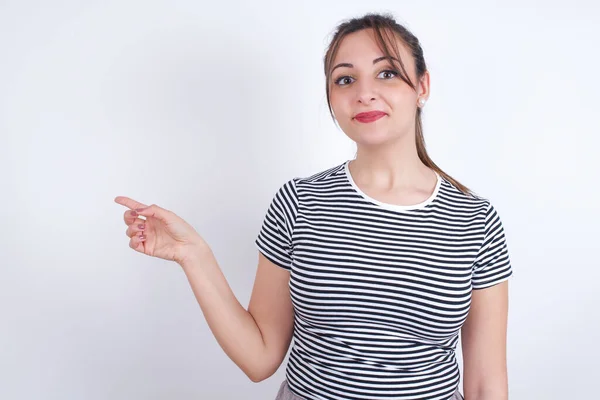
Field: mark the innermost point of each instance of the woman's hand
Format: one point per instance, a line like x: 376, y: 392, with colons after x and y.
x: 163, y: 234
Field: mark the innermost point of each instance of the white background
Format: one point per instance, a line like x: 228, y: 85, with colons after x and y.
x: 206, y: 108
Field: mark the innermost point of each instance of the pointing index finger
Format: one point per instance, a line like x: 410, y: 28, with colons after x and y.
x: 130, y: 216
x: 129, y: 203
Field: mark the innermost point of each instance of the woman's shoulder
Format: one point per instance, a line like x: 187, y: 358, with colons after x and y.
x: 330, y: 172
x: 451, y: 195
x: 312, y: 180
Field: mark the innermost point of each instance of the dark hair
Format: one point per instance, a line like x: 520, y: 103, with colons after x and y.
x: 383, y: 25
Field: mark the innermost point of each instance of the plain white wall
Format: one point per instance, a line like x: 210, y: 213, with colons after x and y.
x: 205, y: 108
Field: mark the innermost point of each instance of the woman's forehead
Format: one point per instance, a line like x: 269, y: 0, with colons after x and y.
x: 362, y: 46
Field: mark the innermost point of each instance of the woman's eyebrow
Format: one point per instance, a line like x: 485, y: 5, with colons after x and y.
x: 375, y: 61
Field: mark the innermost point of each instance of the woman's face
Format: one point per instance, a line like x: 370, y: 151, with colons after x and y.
x: 362, y: 85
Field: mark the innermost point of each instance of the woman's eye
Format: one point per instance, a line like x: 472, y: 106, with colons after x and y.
x: 389, y: 71
x: 339, y: 80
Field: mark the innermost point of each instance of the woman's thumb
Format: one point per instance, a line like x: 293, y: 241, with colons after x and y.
x: 153, y: 211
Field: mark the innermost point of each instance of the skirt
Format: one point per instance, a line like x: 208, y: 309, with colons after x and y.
x: 285, y: 393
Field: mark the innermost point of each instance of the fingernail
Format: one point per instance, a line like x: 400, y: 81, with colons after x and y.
x: 141, y: 226
x: 142, y: 237
x: 134, y: 213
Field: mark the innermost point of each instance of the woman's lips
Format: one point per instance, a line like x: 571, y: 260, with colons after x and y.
x: 369, y: 116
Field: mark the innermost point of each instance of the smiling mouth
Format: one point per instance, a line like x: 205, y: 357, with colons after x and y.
x: 369, y: 118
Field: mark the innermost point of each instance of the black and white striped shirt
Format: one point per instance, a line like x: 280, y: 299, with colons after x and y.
x: 380, y: 291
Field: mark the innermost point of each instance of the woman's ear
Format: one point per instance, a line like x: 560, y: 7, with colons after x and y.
x: 424, y: 87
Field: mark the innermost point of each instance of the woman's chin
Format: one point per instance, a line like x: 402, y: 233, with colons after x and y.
x: 372, y: 138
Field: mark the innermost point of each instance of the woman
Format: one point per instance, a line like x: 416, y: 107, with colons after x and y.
x: 373, y: 266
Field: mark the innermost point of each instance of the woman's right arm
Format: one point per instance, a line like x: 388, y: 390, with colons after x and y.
x: 257, y: 339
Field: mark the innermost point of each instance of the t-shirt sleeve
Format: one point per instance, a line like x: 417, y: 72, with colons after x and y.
x: 274, y: 239
x: 492, y: 264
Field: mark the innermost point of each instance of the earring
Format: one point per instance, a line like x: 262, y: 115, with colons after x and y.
x: 422, y: 102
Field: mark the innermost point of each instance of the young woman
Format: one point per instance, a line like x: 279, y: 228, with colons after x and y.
x: 372, y: 266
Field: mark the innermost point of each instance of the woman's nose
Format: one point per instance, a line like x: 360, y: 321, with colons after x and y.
x: 365, y: 92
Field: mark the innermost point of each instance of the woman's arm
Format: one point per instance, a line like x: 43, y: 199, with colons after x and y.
x: 483, y: 339
x: 257, y: 339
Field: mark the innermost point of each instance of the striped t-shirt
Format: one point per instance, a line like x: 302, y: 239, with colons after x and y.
x: 379, y: 291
